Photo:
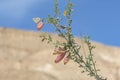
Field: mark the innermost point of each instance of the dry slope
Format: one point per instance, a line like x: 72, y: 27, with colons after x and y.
x: 24, y: 57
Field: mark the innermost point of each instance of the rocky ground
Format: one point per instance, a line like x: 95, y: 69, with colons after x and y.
x: 24, y: 57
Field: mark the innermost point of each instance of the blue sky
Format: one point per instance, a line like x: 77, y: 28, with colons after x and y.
x: 99, y: 19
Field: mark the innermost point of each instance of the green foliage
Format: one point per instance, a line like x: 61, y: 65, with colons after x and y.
x: 86, y: 63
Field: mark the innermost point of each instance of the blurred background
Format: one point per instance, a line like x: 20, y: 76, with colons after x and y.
x: 96, y: 18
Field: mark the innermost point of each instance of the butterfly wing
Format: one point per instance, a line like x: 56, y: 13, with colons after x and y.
x: 36, y: 20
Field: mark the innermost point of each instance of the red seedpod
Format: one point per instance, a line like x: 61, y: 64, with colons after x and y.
x: 60, y: 57
x: 40, y: 25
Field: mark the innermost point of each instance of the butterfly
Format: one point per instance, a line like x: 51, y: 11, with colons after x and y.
x: 39, y: 23
x: 36, y: 20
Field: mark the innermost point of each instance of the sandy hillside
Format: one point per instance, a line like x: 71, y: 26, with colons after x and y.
x: 24, y: 57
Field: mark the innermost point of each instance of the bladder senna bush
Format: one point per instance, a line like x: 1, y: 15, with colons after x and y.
x: 68, y: 50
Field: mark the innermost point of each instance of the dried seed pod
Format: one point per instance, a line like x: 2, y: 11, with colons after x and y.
x: 63, y: 27
x: 66, y: 59
x: 59, y: 51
